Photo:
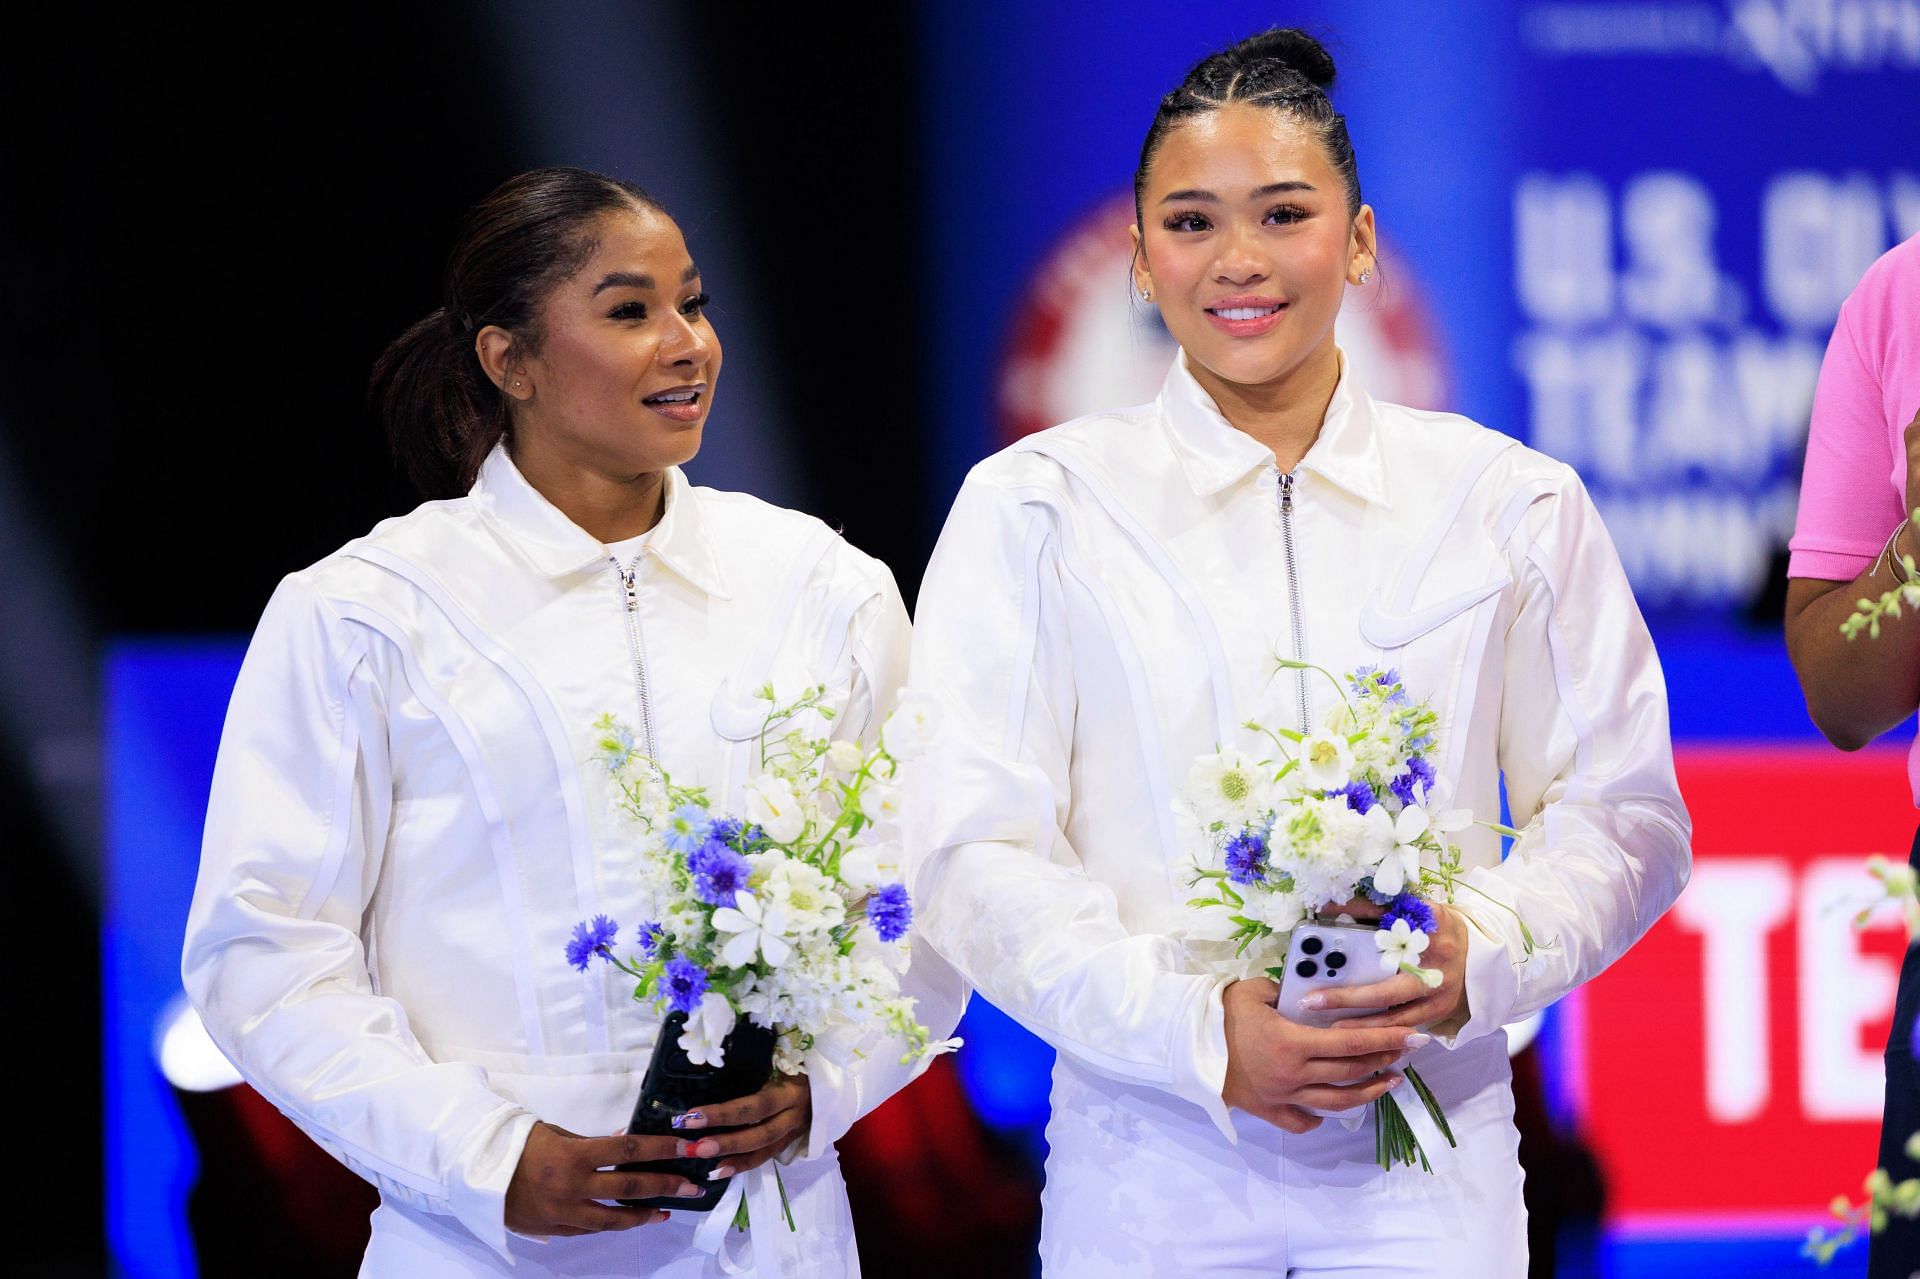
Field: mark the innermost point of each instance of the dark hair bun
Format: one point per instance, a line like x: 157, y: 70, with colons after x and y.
x: 1291, y: 48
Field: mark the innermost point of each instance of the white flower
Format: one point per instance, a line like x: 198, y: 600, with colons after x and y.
x: 755, y: 929
x: 846, y: 756
x: 1229, y: 787
x: 882, y: 802
x: 844, y: 1042
x: 912, y: 727
x: 1278, y: 911
x: 803, y: 896
x: 788, y: 1058
x: 865, y: 867
x: 1400, y: 865
x: 1401, y: 944
x: 708, y: 1026
x: 772, y: 806
x: 1325, y: 762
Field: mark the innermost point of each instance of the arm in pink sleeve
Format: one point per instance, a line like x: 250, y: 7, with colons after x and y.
x: 1849, y: 501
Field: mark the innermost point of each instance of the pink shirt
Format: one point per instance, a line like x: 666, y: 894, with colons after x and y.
x: 1856, y: 478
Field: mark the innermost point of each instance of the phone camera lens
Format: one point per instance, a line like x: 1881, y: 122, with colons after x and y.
x: 1310, y: 945
x: 1336, y: 961
x: 1307, y: 968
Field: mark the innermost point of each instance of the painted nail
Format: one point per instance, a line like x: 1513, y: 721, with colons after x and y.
x: 721, y: 1173
x: 683, y: 1149
x: 689, y: 1191
x: 1313, y: 1003
x: 706, y: 1149
x: 1419, y: 1039
x: 692, y: 1119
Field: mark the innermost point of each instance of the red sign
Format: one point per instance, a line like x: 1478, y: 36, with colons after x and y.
x: 1729, y: 1066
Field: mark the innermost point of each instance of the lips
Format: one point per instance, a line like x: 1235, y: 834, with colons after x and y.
x: 1245, y: 316
x: 680, y: 403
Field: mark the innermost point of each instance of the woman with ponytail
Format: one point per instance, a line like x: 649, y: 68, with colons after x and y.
x: 402, y: 831
x: 1105, y: 606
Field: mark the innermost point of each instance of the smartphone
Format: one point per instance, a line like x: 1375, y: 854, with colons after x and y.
x: 675, y: 1085
x: 1323, y: 956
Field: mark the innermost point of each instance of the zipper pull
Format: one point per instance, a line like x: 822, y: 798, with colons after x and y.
x: 633, y: 592
x: 1286, y: 489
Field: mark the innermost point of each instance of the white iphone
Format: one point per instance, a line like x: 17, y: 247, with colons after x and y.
x: 1322, y: 956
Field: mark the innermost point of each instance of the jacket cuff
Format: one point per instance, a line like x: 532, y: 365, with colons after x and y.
x: 477, y: 1196
x: 1200, y: 1056
x: 835, y: 1095
x: 1492, y: 987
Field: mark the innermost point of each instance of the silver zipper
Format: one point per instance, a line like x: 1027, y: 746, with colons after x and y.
x: 630, y: 591
x: 1293, y: 594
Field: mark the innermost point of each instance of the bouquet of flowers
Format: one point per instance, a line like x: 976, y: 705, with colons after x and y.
x: 1347, y: 810
x: 788, y: 919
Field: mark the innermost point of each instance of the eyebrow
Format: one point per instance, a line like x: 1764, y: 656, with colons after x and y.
x: 1272, y: 188
x: 633, y: 280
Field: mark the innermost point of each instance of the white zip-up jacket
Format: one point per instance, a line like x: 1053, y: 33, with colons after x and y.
x: 1104, y: 606
x: 404, y: 828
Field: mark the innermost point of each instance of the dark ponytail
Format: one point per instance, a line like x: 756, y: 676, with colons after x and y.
x: 442, y: 414
x: 1284, y: 69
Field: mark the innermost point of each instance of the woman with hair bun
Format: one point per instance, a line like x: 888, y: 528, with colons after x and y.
x: 402, y: 833
x: 1104, y: 607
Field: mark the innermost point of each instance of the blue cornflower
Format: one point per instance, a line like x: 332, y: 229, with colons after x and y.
x: 1419, y: 773
x: 1415, y: 910
x: 718, y: 873
x: 752, y: 835
x: 686, y: 829
x: 684, y: 981
x: 1246, y: 857
x: 652, y: 933
x: 587, y: 940
x: 1359, y: 796
x: 890, y: 912
x: 724, y: 830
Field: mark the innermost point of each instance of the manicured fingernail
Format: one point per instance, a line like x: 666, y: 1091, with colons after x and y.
x: 1313, y: 1003
x: 1419, y: 1039
x: 692, y: 1119
x: 689, y: 1191
x: 703, y: 1149
x: 721, y: 1173
x: 683, y: 1149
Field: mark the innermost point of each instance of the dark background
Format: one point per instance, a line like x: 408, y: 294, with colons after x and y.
x: 208, y: 230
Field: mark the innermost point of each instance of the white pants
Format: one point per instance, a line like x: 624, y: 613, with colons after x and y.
x: 407, y: 1244
x: 1140, y: 1184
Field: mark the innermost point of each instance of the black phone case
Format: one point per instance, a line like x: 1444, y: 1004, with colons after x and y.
x: 675, y: 1085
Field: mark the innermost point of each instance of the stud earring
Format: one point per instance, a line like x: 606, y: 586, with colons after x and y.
x: 1146, y: 295
x: 1366, y: 273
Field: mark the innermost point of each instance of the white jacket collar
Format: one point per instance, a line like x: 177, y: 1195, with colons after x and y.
x: 557, y: 546
x: 1214, y: 454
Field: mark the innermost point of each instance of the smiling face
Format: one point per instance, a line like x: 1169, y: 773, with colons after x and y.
x: 1247, y: 246
x: 622, y: 379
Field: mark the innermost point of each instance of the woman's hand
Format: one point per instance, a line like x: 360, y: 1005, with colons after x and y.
x: 561, y: 1177
x: 1276, y: 1066
x: 1406, y: 1000
x: 773, y: 1117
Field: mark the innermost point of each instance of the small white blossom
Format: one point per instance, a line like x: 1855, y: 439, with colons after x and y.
x: 882, y: 802
x: 1229, y: 787
x: 1400, y: 864
x: 773, y: 806
x: 753, y: 929
x: 708, y: 1026
x: 1401, y: 944
x: 804, y: 897
x: 910, y: 730
x: 1325, y: 762
x: 865, y: 867
x: 846, y: 756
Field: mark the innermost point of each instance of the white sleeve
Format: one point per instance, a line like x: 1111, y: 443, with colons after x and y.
x: 1002, y: 893
x: 1605, y: 843
x: 274, y: 961
x: 841, y: 1096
